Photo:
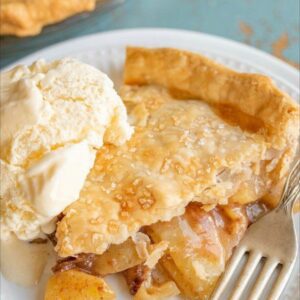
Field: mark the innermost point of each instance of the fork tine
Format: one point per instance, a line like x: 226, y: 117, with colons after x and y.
x: 263, y: 278
x: 293, y: 178
x: 281, y: 281
x: 230, y: 267
x: 253, y: 260
x: 289, y: 200
x: 295, y: 172
x: 291, y: 188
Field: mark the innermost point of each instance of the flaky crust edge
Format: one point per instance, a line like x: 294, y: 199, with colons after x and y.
x: 190, y: 75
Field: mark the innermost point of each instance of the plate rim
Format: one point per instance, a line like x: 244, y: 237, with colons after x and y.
x: 286, y: 72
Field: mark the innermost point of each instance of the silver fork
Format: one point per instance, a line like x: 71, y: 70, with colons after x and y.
x: 273, y: 238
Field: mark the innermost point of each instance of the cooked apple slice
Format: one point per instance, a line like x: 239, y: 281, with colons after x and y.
x: 77, y: 285
x: 134, y: 251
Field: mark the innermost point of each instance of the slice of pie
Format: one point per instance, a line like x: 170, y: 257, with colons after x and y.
x: 27, y: 17
x: 203, y: 133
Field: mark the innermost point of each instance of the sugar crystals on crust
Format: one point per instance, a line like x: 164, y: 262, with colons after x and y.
x: 202, y: 133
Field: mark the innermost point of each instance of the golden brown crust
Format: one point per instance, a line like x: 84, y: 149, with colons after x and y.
x: 181, y: 151
x: 190, y: 75
x: 27, y: 17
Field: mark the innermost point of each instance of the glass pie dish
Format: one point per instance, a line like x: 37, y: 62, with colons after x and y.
x: 13, y: 47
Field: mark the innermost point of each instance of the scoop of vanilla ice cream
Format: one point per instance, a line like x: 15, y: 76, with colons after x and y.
x: 53, y: 118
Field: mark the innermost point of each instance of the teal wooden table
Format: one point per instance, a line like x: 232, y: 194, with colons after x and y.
x: 271, y: 25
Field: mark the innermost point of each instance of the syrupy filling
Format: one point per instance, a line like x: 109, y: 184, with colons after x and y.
x: 135, y: 277
x: 82, y: 262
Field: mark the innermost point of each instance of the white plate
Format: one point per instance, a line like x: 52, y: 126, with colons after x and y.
x: 107, y: 51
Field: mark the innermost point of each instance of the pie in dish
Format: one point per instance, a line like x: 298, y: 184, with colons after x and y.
x: 27, y: 17
x: 203, y: 133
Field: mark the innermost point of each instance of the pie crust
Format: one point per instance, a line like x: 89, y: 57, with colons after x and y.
x: 191, y: 76
x: 27, y: 17
x: 203, y: 133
